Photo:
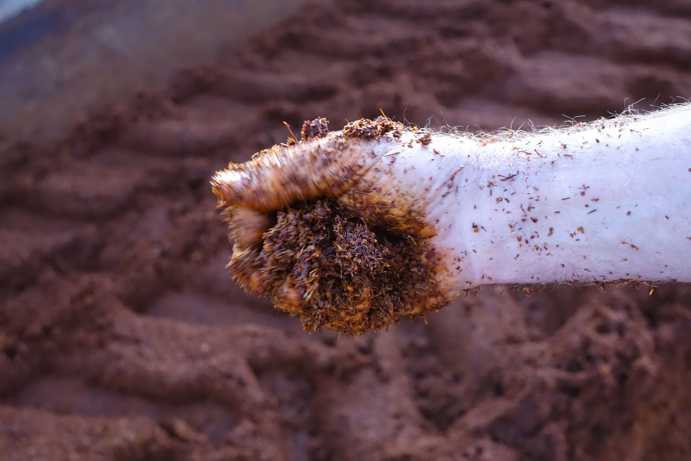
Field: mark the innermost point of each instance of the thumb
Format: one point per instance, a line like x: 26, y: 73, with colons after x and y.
x: 284, y: 174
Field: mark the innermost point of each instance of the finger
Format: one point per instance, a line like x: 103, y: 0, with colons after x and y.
x: 288, y: 298
x: 246, y: 226
x: 283, y: 175
x: 245, y: 267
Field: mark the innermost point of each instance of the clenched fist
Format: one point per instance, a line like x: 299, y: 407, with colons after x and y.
x: 356, y: 228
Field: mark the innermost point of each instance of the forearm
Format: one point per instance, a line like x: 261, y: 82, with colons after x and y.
x: 356, y: 228
x: 606, y: 202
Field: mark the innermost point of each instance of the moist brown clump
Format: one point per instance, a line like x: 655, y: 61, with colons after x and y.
x: 366, y: 128
x: 327, y: 266
x: 316, y: 128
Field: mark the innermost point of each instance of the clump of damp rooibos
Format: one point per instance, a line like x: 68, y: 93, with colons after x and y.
x: 326, y: 265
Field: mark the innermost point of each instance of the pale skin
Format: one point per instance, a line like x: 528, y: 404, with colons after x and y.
x: 607, y: 201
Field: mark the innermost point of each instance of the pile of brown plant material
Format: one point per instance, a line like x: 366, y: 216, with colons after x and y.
x: 340, y: 272
x: 122, y: 338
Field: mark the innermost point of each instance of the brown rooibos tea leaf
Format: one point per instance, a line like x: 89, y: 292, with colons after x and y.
x: 327, y: 266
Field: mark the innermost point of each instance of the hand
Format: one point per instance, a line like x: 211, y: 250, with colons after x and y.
x: 329, y: 231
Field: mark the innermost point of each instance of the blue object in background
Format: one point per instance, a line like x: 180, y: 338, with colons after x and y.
x: 9, y: 8
x: 61, y: 59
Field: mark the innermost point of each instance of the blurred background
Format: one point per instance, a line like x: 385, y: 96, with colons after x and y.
x: 121, y: 334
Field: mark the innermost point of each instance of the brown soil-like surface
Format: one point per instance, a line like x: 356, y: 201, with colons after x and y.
x: 121, y: 336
